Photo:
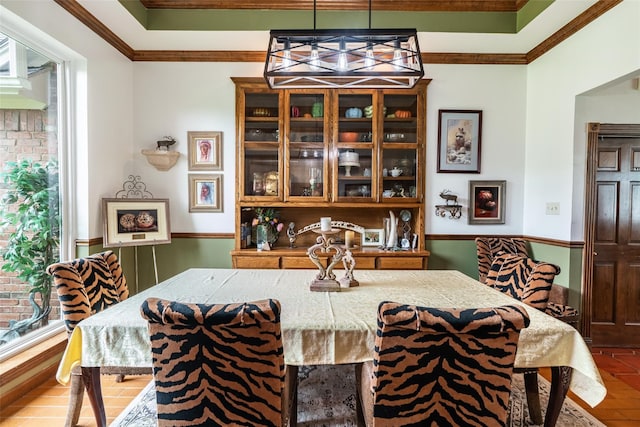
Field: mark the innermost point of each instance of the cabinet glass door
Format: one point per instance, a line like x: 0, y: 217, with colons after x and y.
x: 307, y: 172
x: 400, y: 136
x: 354, y: 144
x: 260, y: 157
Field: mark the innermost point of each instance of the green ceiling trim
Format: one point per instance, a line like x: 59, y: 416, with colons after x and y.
x: 529, y: 11
x: 265, y: 20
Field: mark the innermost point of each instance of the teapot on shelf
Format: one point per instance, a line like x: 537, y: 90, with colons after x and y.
x: 395, y: 172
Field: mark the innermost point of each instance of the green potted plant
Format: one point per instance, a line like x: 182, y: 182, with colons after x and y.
x: 30, y: 212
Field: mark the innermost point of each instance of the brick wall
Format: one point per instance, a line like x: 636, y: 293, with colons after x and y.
x: 24, y: 134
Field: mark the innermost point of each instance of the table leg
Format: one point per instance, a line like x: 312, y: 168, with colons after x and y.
x: 291, y: 395
x: 560, y: 379
x: 91, y: 379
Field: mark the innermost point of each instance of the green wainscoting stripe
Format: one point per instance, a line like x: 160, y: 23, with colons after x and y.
x: 461, y: 255
x: 173, y: 258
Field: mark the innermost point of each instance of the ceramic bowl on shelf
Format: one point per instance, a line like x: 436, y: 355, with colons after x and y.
x: 348, y: 136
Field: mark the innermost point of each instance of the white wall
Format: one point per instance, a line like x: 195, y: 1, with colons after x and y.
x: 499, y: 91
x: 172, y: 99
x: 603, y: 51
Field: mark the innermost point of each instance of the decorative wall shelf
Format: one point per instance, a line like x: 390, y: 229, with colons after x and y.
x: 163, y: 160
x: 455, y: 211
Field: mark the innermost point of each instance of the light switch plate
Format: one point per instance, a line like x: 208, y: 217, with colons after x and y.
x: 553, y: 208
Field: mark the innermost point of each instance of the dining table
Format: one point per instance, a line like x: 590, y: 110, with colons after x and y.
x: 328, y: 328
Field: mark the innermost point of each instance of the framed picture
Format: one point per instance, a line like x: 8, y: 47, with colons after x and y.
x: 459, y: 138
x: 486, y: 202
x: 205, y: 151
x: 135, y: 222
x: 205, y: 193
x: 373, y: 237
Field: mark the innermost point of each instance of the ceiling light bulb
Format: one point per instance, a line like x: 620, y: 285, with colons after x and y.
x: 314, y: 59
x: 286, y: 55
x: 369, y: 60
x: 398, y: 62
x: 343, y: 64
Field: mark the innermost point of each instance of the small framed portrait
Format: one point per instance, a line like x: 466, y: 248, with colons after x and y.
x: 487, y: 201
x: 205, y: 193
x: 373, y: 237
x: 135, y: 222
x: 459, y: 138
x: 205, y: 150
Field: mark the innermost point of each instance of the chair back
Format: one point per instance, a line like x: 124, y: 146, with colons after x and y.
x: 220, y: 364
x: 444, y: 366
x: 523, y: 278
x: 488, y: 247
x: 88, y: 285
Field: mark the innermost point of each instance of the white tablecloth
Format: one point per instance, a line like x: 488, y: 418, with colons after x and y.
x: 327, y: 327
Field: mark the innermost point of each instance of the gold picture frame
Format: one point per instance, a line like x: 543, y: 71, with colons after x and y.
x: 205, y: 151
x: 135, y: 222
x: 205, y: 193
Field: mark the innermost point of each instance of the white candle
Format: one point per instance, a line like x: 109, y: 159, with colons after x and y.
x: 348, y: 238
x: 325, y: 223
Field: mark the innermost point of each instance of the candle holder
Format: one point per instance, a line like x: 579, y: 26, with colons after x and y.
x: 348, y: 281
x: 325, y: 280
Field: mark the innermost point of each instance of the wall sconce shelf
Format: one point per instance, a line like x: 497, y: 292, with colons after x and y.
x: 455, y: 211
x: 163, y: 160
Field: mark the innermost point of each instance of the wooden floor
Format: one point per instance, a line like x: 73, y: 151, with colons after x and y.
x: 46, y: 405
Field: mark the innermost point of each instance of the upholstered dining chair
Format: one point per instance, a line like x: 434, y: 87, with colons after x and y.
x: 528, y: 281
x: 487, y: 248
x: 441, y: 366
x: 220, y: 364
x: 86, y: 286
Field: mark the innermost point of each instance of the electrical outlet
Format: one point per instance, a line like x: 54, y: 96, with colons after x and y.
x: 553, y: 208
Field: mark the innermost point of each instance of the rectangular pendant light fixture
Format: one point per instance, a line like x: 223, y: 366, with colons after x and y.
x: 358, y: 58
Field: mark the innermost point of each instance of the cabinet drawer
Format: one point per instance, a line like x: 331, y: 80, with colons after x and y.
x: 400, y: 263
x: 257, y: 262
x: 299, y: 262
x: 365, y: 263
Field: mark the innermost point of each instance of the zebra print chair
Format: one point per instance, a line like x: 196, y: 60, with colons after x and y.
x: 86, y: 286
x: 441, y: 366
x: 217, y: 364
x: 528, y: 281
x: 487, y: 248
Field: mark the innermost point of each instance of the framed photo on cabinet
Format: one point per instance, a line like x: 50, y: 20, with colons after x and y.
x: 373, y: 237
x: 205, y: 151
x: 205, y: 193
x: 135, y: 222
x: 487, y: 201
x: 459, y: 140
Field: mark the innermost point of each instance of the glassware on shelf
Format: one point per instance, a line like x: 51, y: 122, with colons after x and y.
x: 258, y: 184
x: 314, y: 181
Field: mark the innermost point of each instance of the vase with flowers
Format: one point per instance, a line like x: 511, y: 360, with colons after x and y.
x: 267, y: 226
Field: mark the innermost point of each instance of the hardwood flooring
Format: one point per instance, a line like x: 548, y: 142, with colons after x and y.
x: 47, y: 404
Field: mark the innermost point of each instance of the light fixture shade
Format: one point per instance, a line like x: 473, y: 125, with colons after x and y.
x: 360, y: 58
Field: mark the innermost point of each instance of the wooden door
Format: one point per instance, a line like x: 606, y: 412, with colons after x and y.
x: 615, y: 311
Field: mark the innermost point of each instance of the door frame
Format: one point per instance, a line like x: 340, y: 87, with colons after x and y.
x: 595, y: 131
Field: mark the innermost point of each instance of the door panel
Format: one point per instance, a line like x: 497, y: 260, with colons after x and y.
x: 615, y: 317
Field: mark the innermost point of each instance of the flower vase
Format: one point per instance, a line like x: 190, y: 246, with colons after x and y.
x: 262, y: 236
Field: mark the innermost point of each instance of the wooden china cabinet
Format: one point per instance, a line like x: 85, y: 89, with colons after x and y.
x: 350, y: 154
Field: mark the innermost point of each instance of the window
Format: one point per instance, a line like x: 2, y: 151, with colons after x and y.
x: 30, y: 113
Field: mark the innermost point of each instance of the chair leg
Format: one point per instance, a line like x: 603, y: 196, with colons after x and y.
x: 76, y: 394
x: 533, y: 396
